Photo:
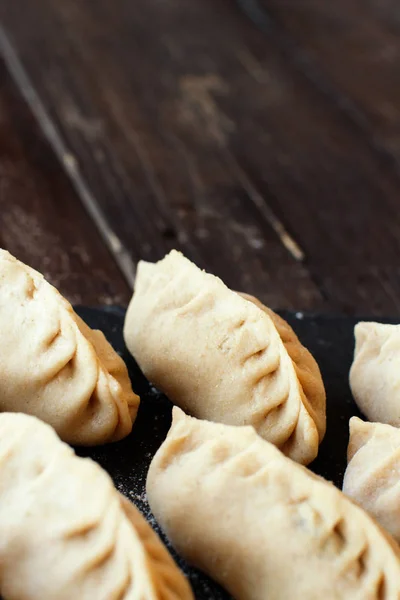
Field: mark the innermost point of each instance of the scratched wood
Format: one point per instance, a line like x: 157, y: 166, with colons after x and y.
x: 161, y: 171
x: 193, y: 129
x: 42, y: 221
x: 353, y: 49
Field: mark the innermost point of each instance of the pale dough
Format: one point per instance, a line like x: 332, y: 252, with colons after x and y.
x: 53, y: 366
x: 372, y: 476
x: 375, y: 372
x: 225, y: 357
x: 65, y: 531
x: 263, y: 526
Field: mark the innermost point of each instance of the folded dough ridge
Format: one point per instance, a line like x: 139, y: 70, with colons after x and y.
x: 54, y: 366
x: 372, y: 477
x: 375, y: 372
x: 262, y: 525
x: 66, y: 532
x: 220, y: 356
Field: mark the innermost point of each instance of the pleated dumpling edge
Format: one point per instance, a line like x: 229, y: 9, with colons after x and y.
x: 373, y: 472
x: 261, y: 525
x: 375, y: 371
x: 66, y: 532
x: 53, y: 366
x: 219, y: 356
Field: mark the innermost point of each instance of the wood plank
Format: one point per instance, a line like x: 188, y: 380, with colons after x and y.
x: 351, y: 48
x: 154, y: 148
x: 42, y: 221
x: 199, y: 131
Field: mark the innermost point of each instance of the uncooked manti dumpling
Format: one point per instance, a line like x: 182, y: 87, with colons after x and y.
x: 372, y: 476
x: 224, y: 357
x: 264, y: 527
x: 53, y: 366
x: 65, y: 531
x: 375, y: 373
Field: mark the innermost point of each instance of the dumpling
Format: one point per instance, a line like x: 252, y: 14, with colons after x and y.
x: 372, y: 477
x: 53, y: 366
x: 306, y: 368
x: 65, y: 531
x: 261, y: 525
x: 225, y: 357
x: 375, y: 372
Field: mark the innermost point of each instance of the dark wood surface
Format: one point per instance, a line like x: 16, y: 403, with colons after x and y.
x: 260, y: 137
x: 41, y: 219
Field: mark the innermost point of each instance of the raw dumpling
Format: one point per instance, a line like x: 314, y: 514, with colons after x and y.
x: 306, y: 368
x: 372, y: 476
x: 65, y: 531
x: 375, y: 373
x: 264, y: 527
x: 219, y: 356
x: 53, y: 366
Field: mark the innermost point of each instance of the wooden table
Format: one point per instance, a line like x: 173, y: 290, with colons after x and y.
x: 260, y: 137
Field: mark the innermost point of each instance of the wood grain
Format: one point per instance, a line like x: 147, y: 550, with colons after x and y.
x: 152, y: 142
x: 194, y: 130
x: 354, y: 47
x: 42, y: 221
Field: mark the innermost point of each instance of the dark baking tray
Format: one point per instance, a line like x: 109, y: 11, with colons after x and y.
x: 329, y: 338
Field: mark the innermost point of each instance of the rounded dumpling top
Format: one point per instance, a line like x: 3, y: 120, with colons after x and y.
x: 53, y: 366
x: 66, y: 532
x: 261, y: 525
x: 375, y: 372
x: 224, y: 357
x: 373, y: 471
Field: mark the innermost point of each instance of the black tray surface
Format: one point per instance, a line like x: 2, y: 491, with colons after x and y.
x: 330, y: 340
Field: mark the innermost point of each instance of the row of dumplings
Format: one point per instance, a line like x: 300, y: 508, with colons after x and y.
x: 245, y: 512
x: 65, y: 531
x: 372, y: 477
x: 219, y: 355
